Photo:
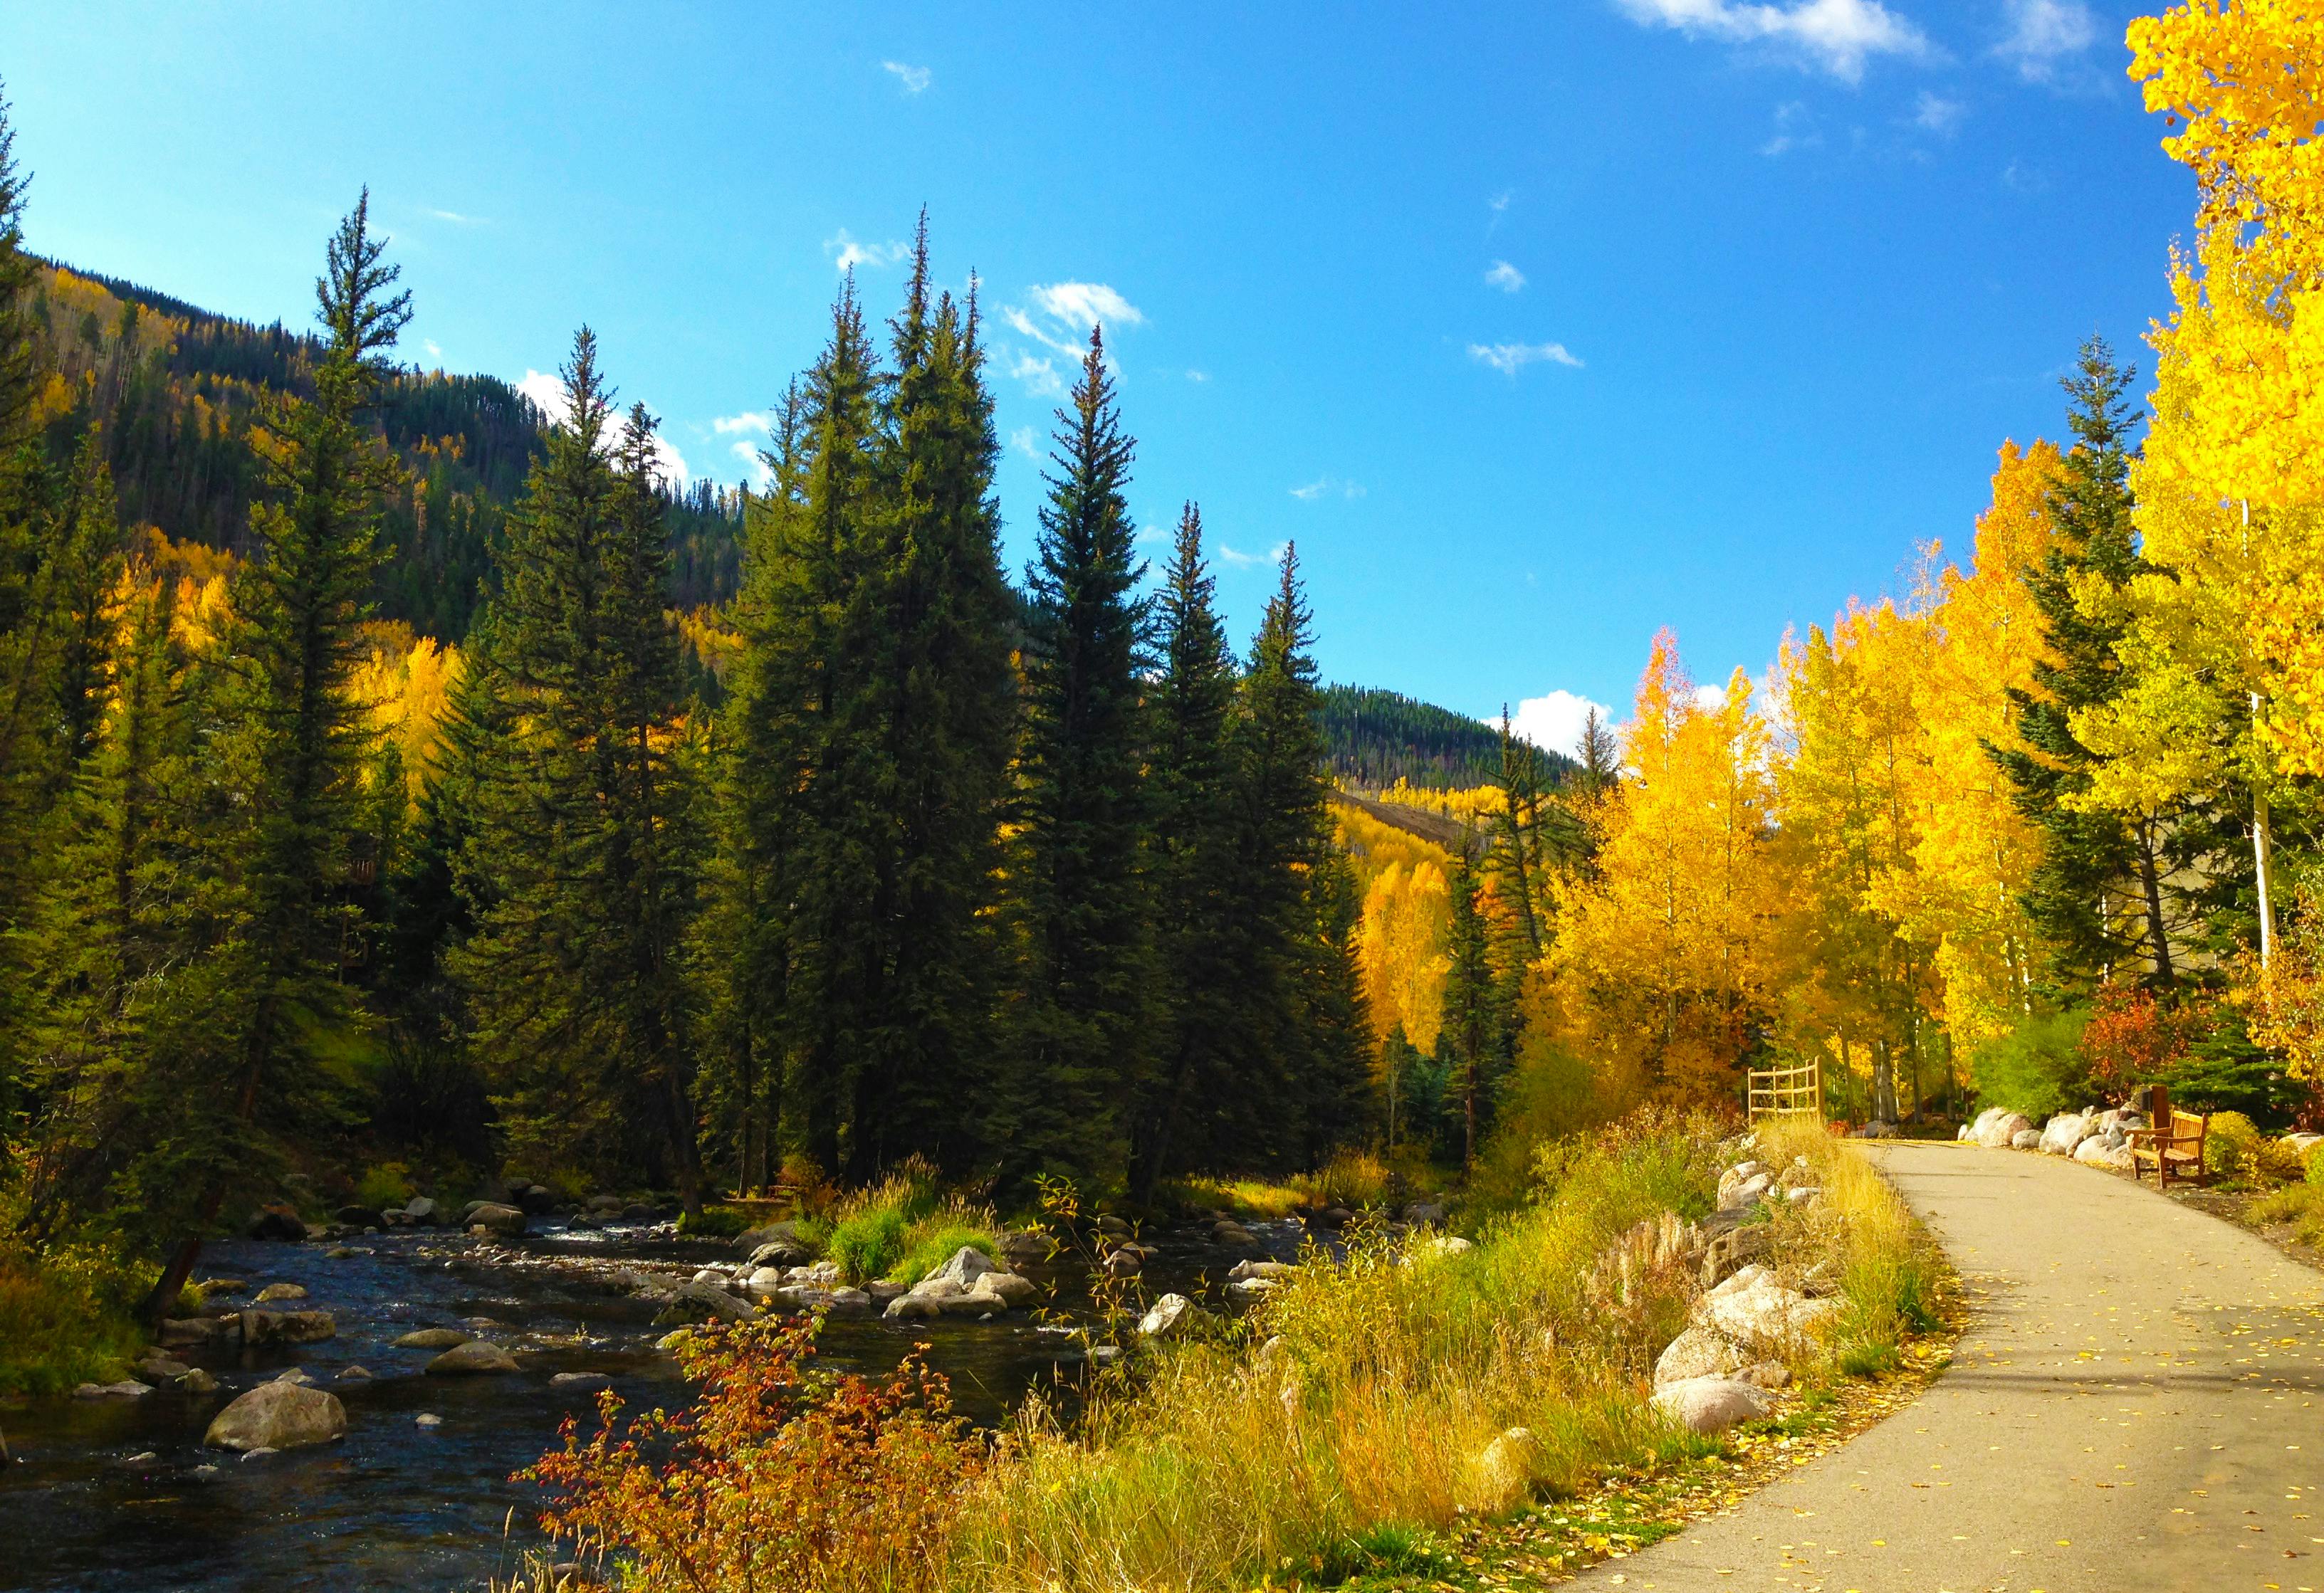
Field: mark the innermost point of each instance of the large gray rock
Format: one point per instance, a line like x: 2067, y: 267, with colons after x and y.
x: 1736, y: 1247
x: 277, y: 1416
x: 2097, y: 1152
x: 433, y: 1339
x: 477, y: 1356
x: 1996, y: 1129
x: 1731, y: 1182
x: 1243, y: 1271
x: 421, y: 1209
x: 1697, y: 1353
x: 1169, y: 1316
x: 1753, y: 1308
x: 2027, y: 1138
x: 1008, y: 1290
x: 1713, y: 1404
x: 504, y: 1220
x: 708, y: 1300
x: 2063, y: 1132
x: 967, y: 1264
x: 273, y: 1292
x: 779, y: 1253
x: 261, y: 1328
x: 913, y: 1307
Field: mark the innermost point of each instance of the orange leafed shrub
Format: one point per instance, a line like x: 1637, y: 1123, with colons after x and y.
x: 774, y: 1479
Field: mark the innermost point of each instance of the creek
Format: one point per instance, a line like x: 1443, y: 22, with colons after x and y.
x: 397, y: 1505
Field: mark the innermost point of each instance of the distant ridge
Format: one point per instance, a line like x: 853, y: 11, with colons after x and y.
x: 1378, y: 738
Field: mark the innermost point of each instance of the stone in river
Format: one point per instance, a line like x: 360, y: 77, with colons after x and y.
x: 433, y: 1339
x: 581, y: 1382
x: 277, y: 1416
x: 273, y: 1292
x: 476, y: 1356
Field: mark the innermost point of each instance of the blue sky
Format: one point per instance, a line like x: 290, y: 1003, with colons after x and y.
x: 1537, y: 328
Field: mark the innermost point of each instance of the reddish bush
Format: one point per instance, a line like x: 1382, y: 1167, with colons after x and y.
x: 2134, y: 1039
x: 775, y: 1478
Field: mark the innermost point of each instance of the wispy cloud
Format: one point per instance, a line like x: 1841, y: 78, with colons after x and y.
x: 848, y: 252
x: 1021, y: 439
x: 1325, y: 486
x: 1932, y: 113
x: 1794, y: 130
x: 1058, y: 317
x: 1507, y: 278
x: 1198, y: 376
x: 1037, y: 372
x: 546, y: 389
x: 1837, y: 36
x: 2043, y: 34
x: 753, y: 461
x: 748, y: 420
x: 914, y: 79
x: 1500, y: 201
x: 1246, y: 560
x: 435, y: 351
x: 1509, y: 358
x: 457, y: 219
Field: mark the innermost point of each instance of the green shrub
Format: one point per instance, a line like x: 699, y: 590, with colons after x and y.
x: 2037, y: 1068
x: 66, y: 1317
x: 714, y: 1222
x: 868, y: 1243
x: 385, y: 1185
x: 2301, y: 1204
x: 928, y: 1245
x: 2315, y: 1163
x: 2231, y: 1145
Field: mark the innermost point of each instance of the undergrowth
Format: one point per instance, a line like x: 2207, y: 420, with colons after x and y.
x: 66, y: 1317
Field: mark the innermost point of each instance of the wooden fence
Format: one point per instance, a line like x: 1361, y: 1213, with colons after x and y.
x: 1787, y: 1092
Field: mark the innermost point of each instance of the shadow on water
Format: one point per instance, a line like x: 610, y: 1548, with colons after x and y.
x: 395, y: 1506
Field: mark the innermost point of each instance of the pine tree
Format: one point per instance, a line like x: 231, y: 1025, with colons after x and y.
x: 1080, y: 1017
x: 1467, y: 1043
x: 297, y: 750
x: 1181, y: 1116
x: 584, y: 860
x: 2098, y: 893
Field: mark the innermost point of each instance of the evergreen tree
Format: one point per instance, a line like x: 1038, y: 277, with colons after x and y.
x: 2098, y: 892
x: 1467, y: 1043
x: 295, y: 752
x: 1185, y: 1113
x: 585, y: 856
x: 1080, y: 1017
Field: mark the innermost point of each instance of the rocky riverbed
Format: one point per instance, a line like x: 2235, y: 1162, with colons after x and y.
x: 119, y: 1489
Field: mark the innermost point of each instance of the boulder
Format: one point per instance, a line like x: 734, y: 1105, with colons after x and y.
x: 273, y: 1292
x: 764, y: 1280
x: 428, y: 1419
x: 1502, y: 1470
x: 1006, y: 1287
x: 1697, y: 1353
x: 1768, y: 1374
x: 504, y: 1220
x: 1332, y: 1217
x: 196, y: 1381
x: 1113, y: 1228
x: 1126, y: 1261
x: 433, y: 1339
x: 476, y: 1356
x: 277, y: 1416
x: 161, y: 1371
x: 2026, y: 1139
x: 600, y: 1204
x: 128, y: 1389
x: 184, y: 1332
x: 1169, y: 1316
x: 1246, y: 1270
x: 288, y: 1327
x: 276, y: 1221
x: 778, y: 1253
x: 2063, y: 1132
x: 355, y: 1374
x: 967, y: 1264
x: 1996, y: 1128
x: 2097, y: 1152
x: 581, y: 1382
x: 1736, y: 1177
x: 1753, y: 1308
x: 1712, y: 1405
x: 1444, y: 1247
x: 1025, y: 1247
x: 913, y: 1307
x: 294, y: 1375
x: 1735, y: 1247
x: 422, y: 1210
x: 708, y: 1300
x: 1419, y: 1212
x: 1228, y: 1231
x: 1249, y: 1289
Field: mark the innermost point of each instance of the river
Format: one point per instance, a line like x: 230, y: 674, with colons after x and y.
x: 394, y: 1505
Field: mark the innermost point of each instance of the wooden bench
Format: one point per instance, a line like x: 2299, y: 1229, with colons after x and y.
x: 2177, y: 1150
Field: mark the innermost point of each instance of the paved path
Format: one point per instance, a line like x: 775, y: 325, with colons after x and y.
x: 2137, y: 1403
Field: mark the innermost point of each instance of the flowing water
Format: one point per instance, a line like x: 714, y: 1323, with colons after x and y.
x: 396, y: 1505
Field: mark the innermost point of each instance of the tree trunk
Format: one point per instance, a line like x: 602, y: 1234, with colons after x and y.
x: 2153, y: 884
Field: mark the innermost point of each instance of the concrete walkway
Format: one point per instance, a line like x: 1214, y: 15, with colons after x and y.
x: 2137, y: 1403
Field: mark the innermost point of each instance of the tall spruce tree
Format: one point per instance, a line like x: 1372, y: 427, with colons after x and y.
x: 1184, y: 1113
x: 2098, y: 891
x: 1080, y: 1017
x: 1468, y: 1041
x: 586, y: 848
x: 296, y: 750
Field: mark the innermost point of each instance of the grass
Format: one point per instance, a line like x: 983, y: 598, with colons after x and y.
x: 902, y: 1228
x: 2300, y: 1204
x: 1353, y: 1178
x: 1371, y: 1419
x: 65, y: 1318
x: 718, y: 1222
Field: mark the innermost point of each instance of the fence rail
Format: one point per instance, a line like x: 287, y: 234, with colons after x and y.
x: 1786, y: 1091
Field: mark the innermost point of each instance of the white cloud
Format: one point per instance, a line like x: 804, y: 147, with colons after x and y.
x: 1554, y: 722
x: 1327, y: 486
x: 1837, y: 35
x: 1021, y: 439
x: 435, y: 352
x: 1509, y: 358
x: 755, y: 462
x: 1246, y: 560
x: 1507, y: 278
x: 748, y: 420
x: 1500, y: 201
x: 547, y: 391
x: 1198, y: 376
x: 1058, y: 317
x: 2042, y: 33
x: 848, y: 252
x: 1794, y: 130
x: 914, y: 79
x: 455, y: 218
x: 1038, y: 374
x: 1710, y: 698
x: 1935, y: 114
x: 1084, y: 305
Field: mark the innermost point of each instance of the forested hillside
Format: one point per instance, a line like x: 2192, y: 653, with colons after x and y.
x: 1378, y: 738
x: 171, y: 394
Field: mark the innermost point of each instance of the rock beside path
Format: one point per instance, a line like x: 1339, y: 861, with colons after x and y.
x: 2064, y: 1133
x: 1753, y: 1308
x: 1697, y: 1353
x: 1713, y: 1404
x: 277, y: 1416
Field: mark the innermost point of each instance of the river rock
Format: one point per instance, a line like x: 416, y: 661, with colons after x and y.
x: 1244, y: 1270
x: 1419, y: 1212
x: 273, y: 1292
x: 355, y: 1374
x: 476, y: 1356
x: 1697, y: 1353
x: 184, y: 1332
x: 1007, y: 1288
x: 276, y: 1221
x: 913, y: 1307
x: 128, y: 1389
x: 196, y: 1381
x: 1025, y: 1247
x: 261, y: 1328
x: 1228, y: 1231
x: 1995, y: 1130
x: 967, y: 1264
x: 2063, y: 1132
x: 581, y: 1382
x: 764, y: 1280
x: 294, y: 1375
x: 1753, y: 1308
x: 1444, y: 1246
x: 701, y: 1300
x: 1712, y: 1405
x: 537, y: 1201
x: 161, y: 1371
x: 426, y: 1419
x: 1126, y: 1261
x: 1169, y: 1316
x: 433, y: 1339
x: 506, y: 1221
x: 277, y: 1416
x: 779, y: 1253
x: 422, y: 1210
